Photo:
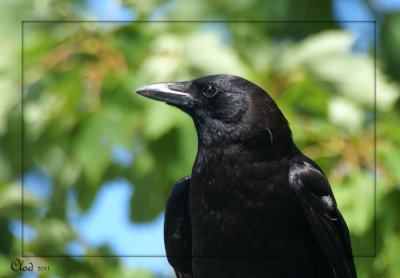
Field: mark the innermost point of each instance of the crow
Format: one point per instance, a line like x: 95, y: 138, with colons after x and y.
x: 254, y: 205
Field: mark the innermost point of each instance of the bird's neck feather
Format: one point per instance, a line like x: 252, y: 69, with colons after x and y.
x: 234, y: 139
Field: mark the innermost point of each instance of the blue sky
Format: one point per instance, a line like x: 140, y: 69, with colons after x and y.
x: 107, y: 222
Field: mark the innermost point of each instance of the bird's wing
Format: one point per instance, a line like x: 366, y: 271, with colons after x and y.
x: 177, y: 229
x: 327, y: 224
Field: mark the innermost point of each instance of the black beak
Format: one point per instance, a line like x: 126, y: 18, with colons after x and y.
x: 172, y: 93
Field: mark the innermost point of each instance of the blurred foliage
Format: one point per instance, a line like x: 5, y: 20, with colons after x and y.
x: 78, y: 107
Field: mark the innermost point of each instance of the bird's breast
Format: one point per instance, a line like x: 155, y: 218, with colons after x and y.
x: 237, y: 200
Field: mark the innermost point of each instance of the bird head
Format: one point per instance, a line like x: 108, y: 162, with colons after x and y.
x: 225, y: 108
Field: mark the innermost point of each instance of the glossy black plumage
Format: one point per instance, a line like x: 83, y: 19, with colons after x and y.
x: 254, y: 205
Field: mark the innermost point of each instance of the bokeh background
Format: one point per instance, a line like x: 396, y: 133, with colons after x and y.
x: 99, y: 161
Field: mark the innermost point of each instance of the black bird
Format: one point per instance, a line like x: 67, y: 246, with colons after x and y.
x: 254, y: 205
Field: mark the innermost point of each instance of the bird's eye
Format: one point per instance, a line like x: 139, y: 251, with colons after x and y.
x: 209, y: 91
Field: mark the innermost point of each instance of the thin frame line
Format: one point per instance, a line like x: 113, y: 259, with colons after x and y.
x: 198, y: 21
x: 22, y: 138
x: 205, y: 256
x: 195, y: 21
x: 375, y: 111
